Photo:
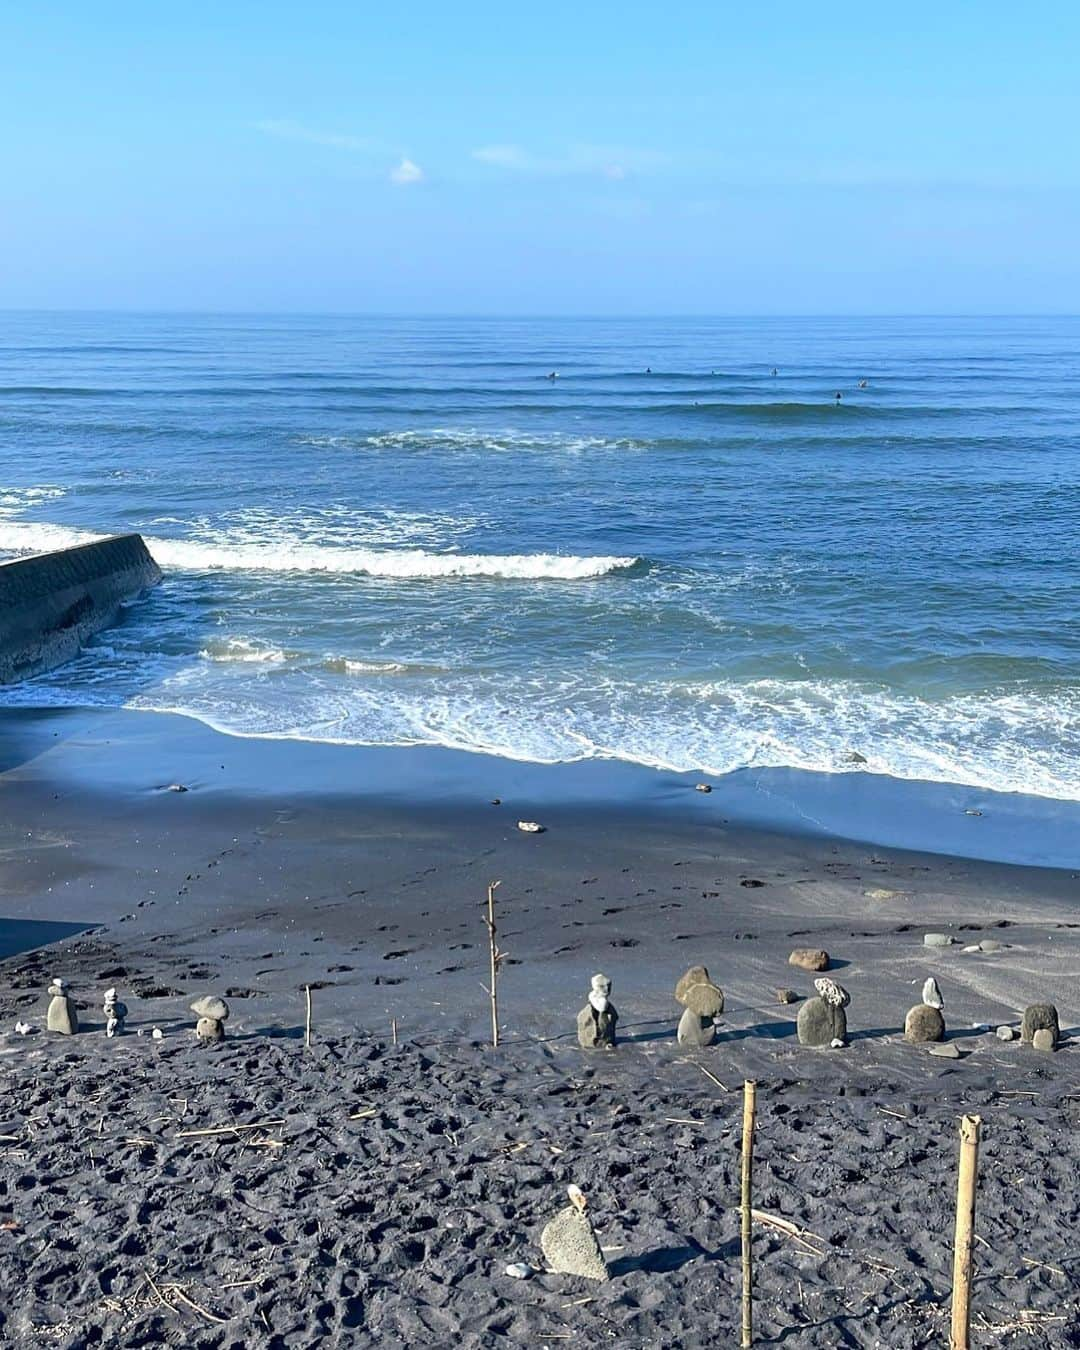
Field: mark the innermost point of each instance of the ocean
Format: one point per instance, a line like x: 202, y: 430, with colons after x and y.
x: 681, y: 551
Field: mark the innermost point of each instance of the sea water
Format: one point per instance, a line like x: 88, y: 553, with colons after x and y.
x: 658, y: 540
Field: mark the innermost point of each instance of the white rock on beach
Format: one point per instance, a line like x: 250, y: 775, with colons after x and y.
x: 519, y: 1270
x: 530, y: 827
x: 931, y: 994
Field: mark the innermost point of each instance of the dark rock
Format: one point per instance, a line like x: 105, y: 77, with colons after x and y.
x: 820, y: 1023
x: 1039, y: 1017
x: 924, y: 1023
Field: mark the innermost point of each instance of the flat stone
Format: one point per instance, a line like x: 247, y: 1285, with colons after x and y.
x: 570, y: 1246
x: 1039, y: 1017
x: 211, y: 1006
x: 695, y: 975
x: 1044, y: 1039
x: 519, y: 1270
x: 809, y: 958
x: 786, y: 996
x: 820, y: 1023
x: 945, y: 1051
x: 924, y: 1023
x: 1005, y: 1034
x: 990, y: 945
x: 695, y: 1031
x: 938, y: 940
x: 881, y: 893
x: 705, y: 999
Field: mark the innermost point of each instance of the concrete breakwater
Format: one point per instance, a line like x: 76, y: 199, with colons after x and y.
x: 51, y: 603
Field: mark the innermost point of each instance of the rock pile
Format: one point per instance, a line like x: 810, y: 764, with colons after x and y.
x: 704, y: 1002
x: 596, y: 1021
x: 822, y: 1021
x: 62, y: 1016
x: 924, y: 1023
x: 1040, y: 1017
x: 212, y: 1013
x: 569, y: 1241
x: 115, y: 1014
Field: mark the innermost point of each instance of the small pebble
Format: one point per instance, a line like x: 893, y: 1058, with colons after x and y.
x: 519, y: 1270
x: 1005, y: 1034
x: 945, y: 1050
x: 23, y: 1028
x: 157, y: 1034
x: 836, y: 1043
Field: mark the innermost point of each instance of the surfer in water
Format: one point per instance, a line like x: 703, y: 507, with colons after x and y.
x: 554, y: 375
x: 839, y: 396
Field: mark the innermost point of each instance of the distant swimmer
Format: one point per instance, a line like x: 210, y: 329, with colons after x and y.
x: 863, y: 384
x: 839, y: 396
x: 648, y: 370
x: 554, y: 375
x: 775, y: 371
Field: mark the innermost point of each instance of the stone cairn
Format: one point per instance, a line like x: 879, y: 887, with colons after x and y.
x: 596, y: 1021
x: 703, y: 1001
x: 1040, y: 1027
x: 212, y: 1013
x: 569, y: 1241
x: 822, y: 1021
x: 115, y: 1014
x: 925, y: 1023
x: 62, y: 1016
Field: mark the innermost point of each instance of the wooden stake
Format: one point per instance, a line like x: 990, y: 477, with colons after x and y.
x: 307, y: 1024
x: 965, y: 1227
x: 749, y: 1116
x: 393, y: 1030
x: 496, y: 958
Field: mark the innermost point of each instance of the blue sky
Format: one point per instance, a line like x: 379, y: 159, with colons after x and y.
x: 554, y: 158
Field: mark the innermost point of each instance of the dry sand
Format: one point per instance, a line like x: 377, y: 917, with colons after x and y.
x: 395, y: 1228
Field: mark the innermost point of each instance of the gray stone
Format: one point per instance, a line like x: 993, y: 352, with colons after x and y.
x: 786, y: 996
x: 990, y: 945
x: 938, y: 940
x: 570, y: 1246
x: 820, y: 1023
x: 705, y: 999
x: 115, y: 1014
x: 931, y: 994
x: 62, y: 1016
x: 695, y: 975
x: 832, y: 992
x: 809, y: 958
x: 211, y: 1006
x: 924, y: 1023
x: 519, y: 1270
x: 1044, y: 1039
x: 945, y: 1051
x: 696, y: 1031
x: 1005, y: 1034
x: 1039, y: 1017
x: 596, y: 1027
x: 210, y: 1029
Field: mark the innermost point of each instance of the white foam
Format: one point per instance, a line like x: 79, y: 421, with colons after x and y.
x: 286, y: 556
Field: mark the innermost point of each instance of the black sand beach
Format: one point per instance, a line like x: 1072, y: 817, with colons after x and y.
x: 362, y: 874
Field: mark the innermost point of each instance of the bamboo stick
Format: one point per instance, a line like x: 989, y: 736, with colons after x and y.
x: 965, y: 1226
x: 493, y: 951
x: 749, y: 1116
x: 307, y: 1024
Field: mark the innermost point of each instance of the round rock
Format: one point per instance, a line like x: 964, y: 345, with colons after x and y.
x: 1005, y: 1034
x: 695, y: 1031
x: 809, y: 958
x: 695, y: 975
x: 820, y: 1023
x: 924, y: 1023
x: 1044, y: 1039
x: 704, y: 999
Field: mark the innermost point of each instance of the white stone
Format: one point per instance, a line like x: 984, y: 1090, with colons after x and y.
x: 530, y: 827
x: 836, y: 1043
x: 158, y: 1034
x: 518, y: 1270
x: 931, y: 994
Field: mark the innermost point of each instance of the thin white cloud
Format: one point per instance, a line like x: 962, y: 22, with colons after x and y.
x: 406, y: 172
x: 597, y: 161
x: 293, y: 131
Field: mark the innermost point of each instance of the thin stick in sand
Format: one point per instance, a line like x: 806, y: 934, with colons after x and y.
x: 965, y: 1226
x: 228, y: 1129
x: 749, y: 1116
x: 496, y: 958
x: 307, y: 1023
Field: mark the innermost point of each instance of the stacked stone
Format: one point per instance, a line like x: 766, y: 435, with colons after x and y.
x: 925, y: 1023
x: 704, y: 1002
x: 596, y: 1021
x: 115, y: 1014
x: 62, y: 1016
x: 822, y: 1021
x: 1040, y: 1027
x: 212, y: 1013
x: 569, y: 1241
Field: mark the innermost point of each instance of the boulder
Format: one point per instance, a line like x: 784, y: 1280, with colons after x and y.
x: 820, y: 1023
x: 570, y: 1246
x: 1039, y: 1017
x: 696, y: 1031
x: 1044, y: 1039
x: 924, y: 1023
x: 596, y: 1027
x: 809, y: 958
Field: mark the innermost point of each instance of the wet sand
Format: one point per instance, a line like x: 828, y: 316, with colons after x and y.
x: 363, y: 875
